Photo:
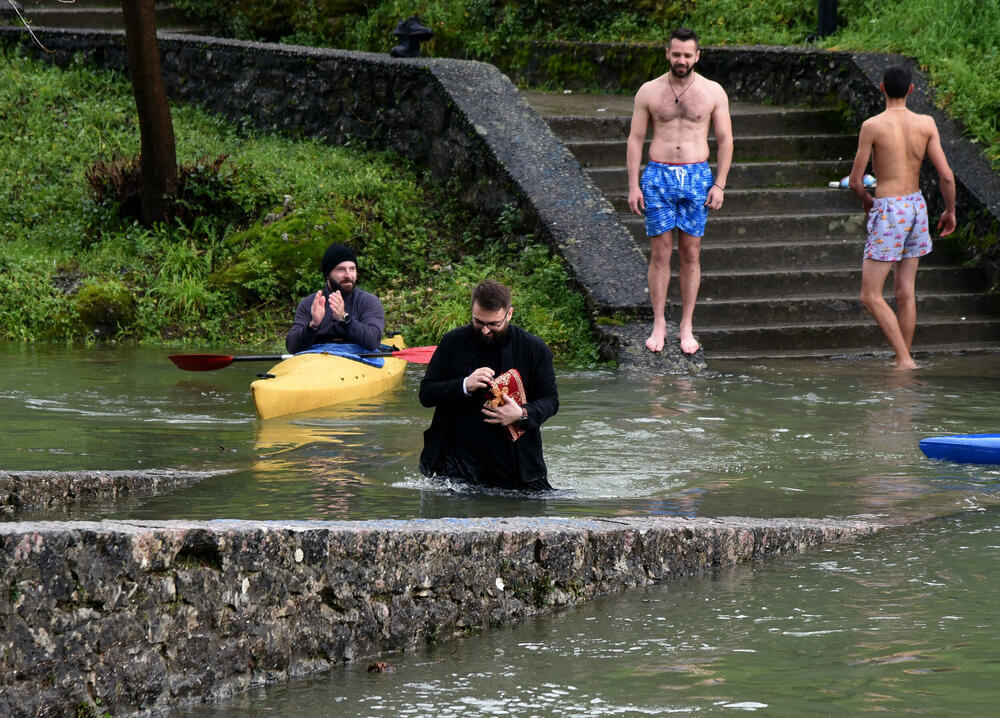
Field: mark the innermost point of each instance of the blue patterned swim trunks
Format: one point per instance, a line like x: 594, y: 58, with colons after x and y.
x: 675, y: 197
x: 897, y: 228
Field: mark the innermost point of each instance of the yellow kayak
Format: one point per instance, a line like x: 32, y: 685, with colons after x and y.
x: 311, y: 381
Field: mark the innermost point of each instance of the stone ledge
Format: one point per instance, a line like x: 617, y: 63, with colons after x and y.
x: 630, y: 348
x: 143, y: 615
x: 25, y: 490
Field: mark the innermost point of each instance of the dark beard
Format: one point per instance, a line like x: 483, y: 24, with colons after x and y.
x: 332, y: 286
x: 679, y: 75
x: 493, y: 339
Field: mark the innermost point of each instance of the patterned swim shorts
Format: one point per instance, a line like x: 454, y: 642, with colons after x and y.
x: 897, y: 228
x: 675, y: 197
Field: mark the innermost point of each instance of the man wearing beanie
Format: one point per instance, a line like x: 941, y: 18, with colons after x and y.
x: 340, y: 312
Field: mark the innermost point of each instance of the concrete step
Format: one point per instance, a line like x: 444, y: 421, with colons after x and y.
x: 923, y: 350
x: 822, y: 281
x: 772, y: 255
x: 831, y: 308
x: 611, y: 153
x: 834, y: 337
x: 762, y: 254
x: 752, y: 120
x: 770, y: 201
x: 804, y: 226
x: 782, y: 259
x: 747, y: 174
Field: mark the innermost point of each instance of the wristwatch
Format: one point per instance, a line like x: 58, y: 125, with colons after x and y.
x: 522, y: 423
x: 346, y: 319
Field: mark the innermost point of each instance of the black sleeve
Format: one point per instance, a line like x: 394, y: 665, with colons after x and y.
x: 442, y: 382
x: 545, y: 402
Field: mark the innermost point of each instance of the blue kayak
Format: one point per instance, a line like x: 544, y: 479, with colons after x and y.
x: 963, y: 448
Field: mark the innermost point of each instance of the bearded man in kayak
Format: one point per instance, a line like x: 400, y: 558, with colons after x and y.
x: 480, y: 433
x: 340, y: 312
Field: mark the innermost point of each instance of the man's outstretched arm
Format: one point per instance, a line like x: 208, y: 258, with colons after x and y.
x: 857, y: 179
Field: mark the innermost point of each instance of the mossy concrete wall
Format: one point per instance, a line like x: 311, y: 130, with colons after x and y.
x: 143, y: 615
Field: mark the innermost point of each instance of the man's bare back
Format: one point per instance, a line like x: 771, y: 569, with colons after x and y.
x: 897, y: 141
x: 900, y: 140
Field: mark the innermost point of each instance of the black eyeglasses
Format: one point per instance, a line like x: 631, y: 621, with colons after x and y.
x: 493, y: 326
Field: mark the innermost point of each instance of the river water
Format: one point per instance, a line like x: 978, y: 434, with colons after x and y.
x: 902, y: 622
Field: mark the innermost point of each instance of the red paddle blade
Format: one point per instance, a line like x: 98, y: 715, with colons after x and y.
x: 200, y: 362
x: 417, y: 355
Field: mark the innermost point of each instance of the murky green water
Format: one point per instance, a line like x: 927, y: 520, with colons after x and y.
x: 901, y: 623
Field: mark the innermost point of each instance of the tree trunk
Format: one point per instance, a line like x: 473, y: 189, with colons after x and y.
x: 158, y: 156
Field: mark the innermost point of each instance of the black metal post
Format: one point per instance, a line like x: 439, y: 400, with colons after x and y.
x: 827, y: 18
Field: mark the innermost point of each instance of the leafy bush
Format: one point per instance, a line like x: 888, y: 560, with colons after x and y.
x: 103, y: 307
x: 205, y: 189
x: 281, y: 259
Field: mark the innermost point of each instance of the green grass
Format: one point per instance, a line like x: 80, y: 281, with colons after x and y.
x: 957, y: 43
x: 954, y: 41
x: 72, y: 269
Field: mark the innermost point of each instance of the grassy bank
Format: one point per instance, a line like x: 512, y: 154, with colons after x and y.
x: 954, y: 41
x: 72, y: 269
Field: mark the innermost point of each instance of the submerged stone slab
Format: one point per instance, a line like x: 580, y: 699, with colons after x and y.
x: 630, y: 342
x: 143, y: 615
x: 26, y: 490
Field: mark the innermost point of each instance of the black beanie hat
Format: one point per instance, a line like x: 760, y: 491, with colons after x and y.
x: 334, y: 255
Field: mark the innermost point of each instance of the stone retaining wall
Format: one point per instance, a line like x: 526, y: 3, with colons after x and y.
x: 24, y: 491
x: 138, y: 616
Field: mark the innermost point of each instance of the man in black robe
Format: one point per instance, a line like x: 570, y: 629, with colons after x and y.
x: 467, y: 440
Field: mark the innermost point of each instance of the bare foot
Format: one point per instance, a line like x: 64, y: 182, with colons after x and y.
x: 904, y: 364
x: 689, y: 345
x: 658, y: 337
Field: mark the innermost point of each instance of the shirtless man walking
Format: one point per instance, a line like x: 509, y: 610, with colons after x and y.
x: 677, y: 188
x: 897, y: 140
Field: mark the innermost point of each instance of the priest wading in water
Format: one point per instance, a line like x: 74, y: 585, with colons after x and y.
x: 492, y: 387
x: 677, y: 188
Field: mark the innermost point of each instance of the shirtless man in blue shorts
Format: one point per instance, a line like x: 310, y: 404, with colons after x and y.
x: 897, y: 140
x: 677, y: 188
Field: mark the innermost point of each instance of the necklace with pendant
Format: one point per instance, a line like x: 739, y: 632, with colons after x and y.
x: 677, y: 98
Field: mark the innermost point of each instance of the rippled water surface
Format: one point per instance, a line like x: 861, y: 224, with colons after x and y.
x: 903, y: 622
x: 784, y: 439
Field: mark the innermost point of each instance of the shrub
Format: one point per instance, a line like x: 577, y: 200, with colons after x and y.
x: 205, y: 188
x: 103, y: 307
x: 281, y: 259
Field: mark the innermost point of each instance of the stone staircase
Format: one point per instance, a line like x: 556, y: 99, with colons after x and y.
x: 96, y: 15
x: 781, y: 262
